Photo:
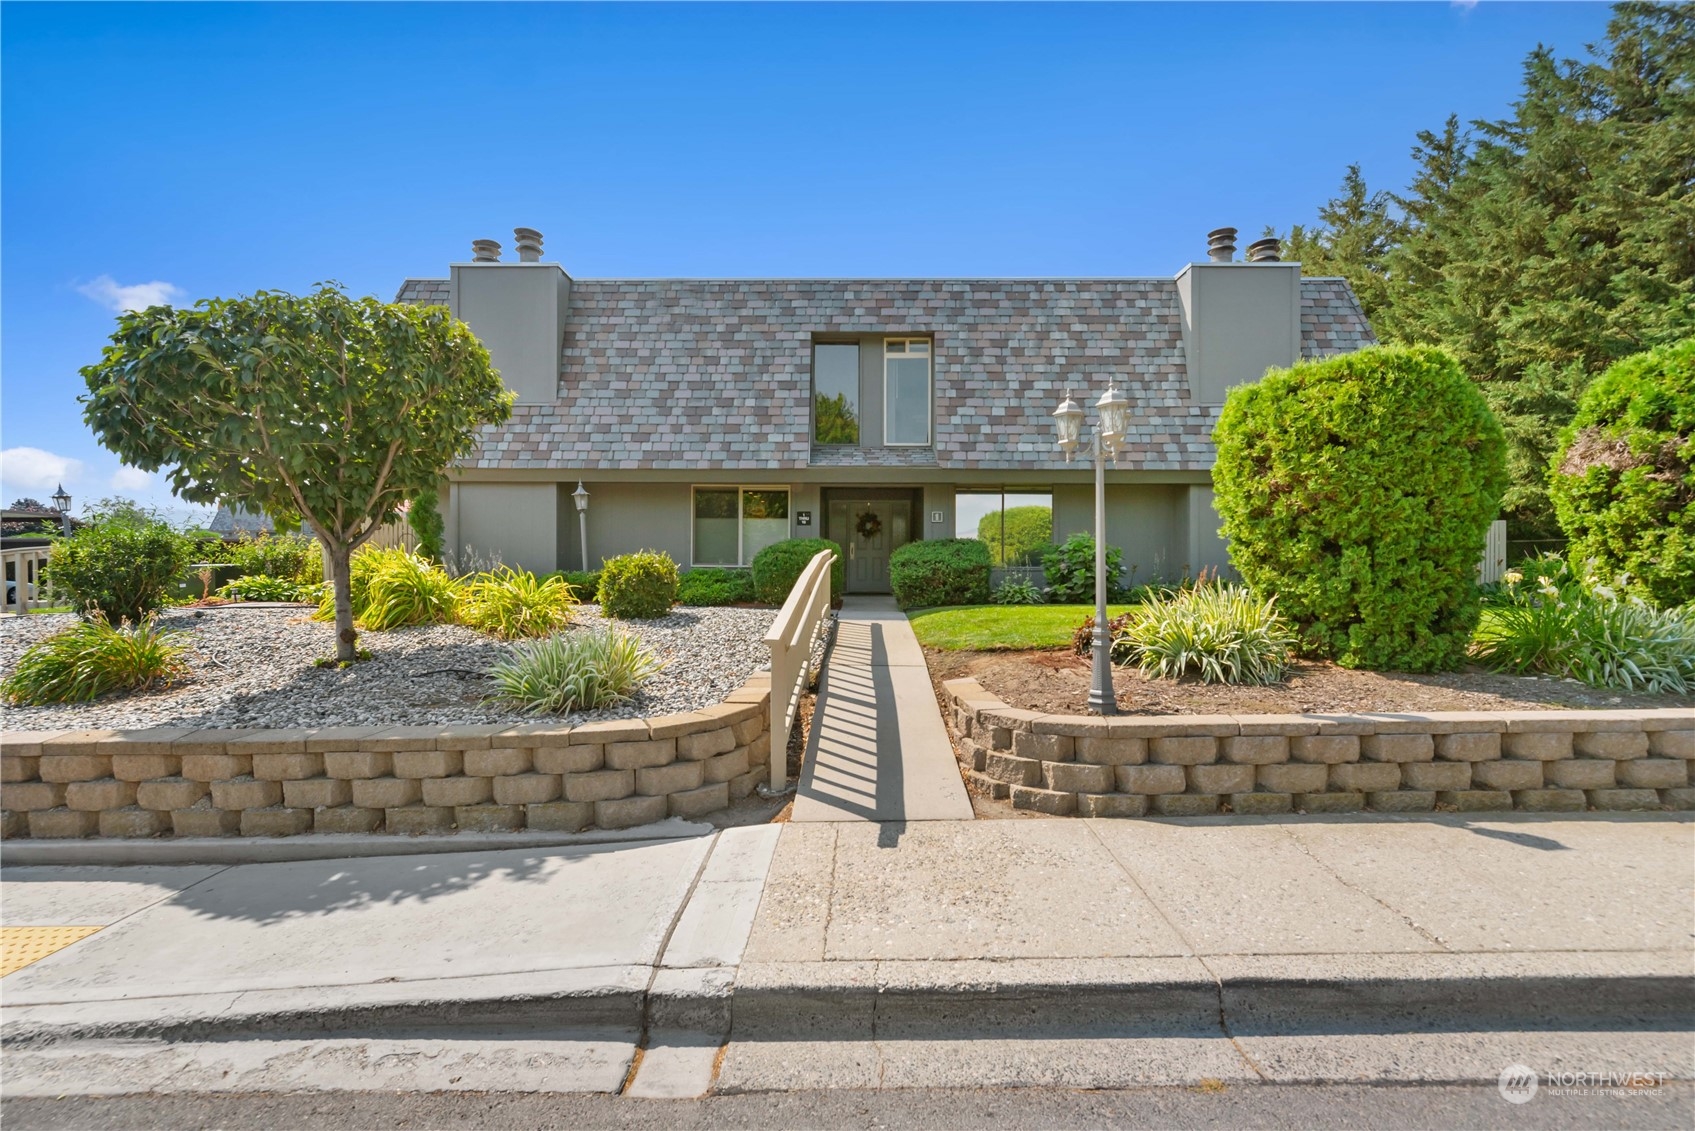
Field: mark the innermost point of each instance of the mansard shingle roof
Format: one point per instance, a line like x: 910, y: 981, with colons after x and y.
x: 691, y: 373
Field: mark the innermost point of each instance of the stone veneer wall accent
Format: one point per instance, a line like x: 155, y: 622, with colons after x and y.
x: 1189, y: 765
x: 399, y: 779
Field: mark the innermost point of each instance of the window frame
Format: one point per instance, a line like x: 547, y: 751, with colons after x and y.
x: 812, y: 403
x: 741, y: 490
x: 929, y: 353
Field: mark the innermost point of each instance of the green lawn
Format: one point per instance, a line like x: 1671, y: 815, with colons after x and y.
x: 992, y: 628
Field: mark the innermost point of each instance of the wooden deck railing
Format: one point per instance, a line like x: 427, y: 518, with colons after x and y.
x: 791, y: 639
x: 22, y: 568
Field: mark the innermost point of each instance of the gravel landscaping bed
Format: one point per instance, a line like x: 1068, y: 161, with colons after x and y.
x: 252, y: 667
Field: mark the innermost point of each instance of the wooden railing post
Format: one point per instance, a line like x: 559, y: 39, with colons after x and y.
x: 790, y: 639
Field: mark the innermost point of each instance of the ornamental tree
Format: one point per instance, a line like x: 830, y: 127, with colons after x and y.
x: 321, y: 406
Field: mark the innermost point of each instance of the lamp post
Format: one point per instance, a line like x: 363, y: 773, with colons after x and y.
x: 581, y: 498
x: 1113, y: 409
x: 62, y: 500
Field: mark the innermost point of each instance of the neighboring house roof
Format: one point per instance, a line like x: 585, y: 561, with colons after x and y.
x: 684, y: 373
x: 239, y: 520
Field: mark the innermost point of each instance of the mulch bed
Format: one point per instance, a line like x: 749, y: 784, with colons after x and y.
x: 1057, y: 682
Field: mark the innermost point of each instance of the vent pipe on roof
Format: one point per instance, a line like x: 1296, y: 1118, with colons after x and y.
x: 1268, y: 250
x: 485, y: 251
x: 1221, y: 245
x: 528, y: 242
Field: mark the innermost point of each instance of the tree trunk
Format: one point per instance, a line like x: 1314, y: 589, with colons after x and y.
x: 346, y: 639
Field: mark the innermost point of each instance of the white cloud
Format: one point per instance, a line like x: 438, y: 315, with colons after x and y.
x: 26, y: 470
x: 130, y: 480
x: 1463, y: 5
x: 138, y: 296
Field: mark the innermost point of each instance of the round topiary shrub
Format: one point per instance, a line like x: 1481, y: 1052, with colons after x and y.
x: 942, y: 571
x: 1623, y: 480
x: 1358, y: 491
x: 777, y: 567
x: 638, y: 586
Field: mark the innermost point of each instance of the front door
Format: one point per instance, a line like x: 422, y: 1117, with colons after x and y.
x: 870, y: 530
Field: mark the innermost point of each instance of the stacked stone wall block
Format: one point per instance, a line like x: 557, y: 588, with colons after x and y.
x: 627, y: 812
x: 216, y: 767
x: 13, y: 824
x: 1255, y: 750
x: 1672, y: 744
x: 246, y: 793
x: 1000, y: 738
x: 1077, y: 777
x: 1183, y: 750
x: 1540, y: 746
x: 27, y: 796
x: 317, y: 793
x: 498, y: 761
x: 351, y: 764
x: 679, y: 724
x: 702, y: 745
x: 428, y: 763
x: 973, y: 754
x: 1012, y: 769
x: 1330, y: 802
x: 338, y: 740
x: 1618, y: 800
x: 347, y: 819
x: 1365, y: 777
x: 133, y: 821
x: 745, y: 785
x: 703, y: 799
x: 1512, y: 774
x: 480, y: 736
x: 1443, y: 777
x: 488, y: 818
x: 759, y: 749
x: 568, y: 759
x: 1043, y: 747
x: 1112, y: 751
x: 558, y: 816
x: 599, y: 785
x: 1398, y: 747
x: 1678, y: 798
x: 205, y: 821
x: 19, y: 767
x: 141, y: 767
x: 1184, y: 804
x: 1253, y: 804
x: 1615, y: 745
x: 612, y: 730
x: 1325, y: 749
x: 1475, y: 800
x: 74, y: 767
x: 1550, y: 800
x: 288, y: 767
x: 275, y: 821
x: 1050, y: 801
x: 1580, y: 773
x: 93, y: 796
x: 386, y: 793
x: 1653, y: 773
x: 987, y: 786
x: 653, y: 781
x: 166, y: 794
x: 1151, y: 779
x: 453, y: 792
x: 1220, y: 778
x: 55, y: 824
x: 399, y: 739
x: 725, y: 767
x: 748, y: 729
x: 417, y: 820
x: 1111, y: 805
x: 1402, y: 801
x: 1468, y: 747
x: 641, y: 755
x: 527, y: 789
x: 1293, y: 777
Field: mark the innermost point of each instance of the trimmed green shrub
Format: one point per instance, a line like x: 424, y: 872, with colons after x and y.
x: 941, y: 571
x: 426, y: 522
x: 511, y: 603
x: 1579, y: 628
x: 1017, y: 591
x: 122, y: 566
x: 638, y: 586
x: 292, y: 556
x: 575, y: 671
x: 1070, y: 567
x: 1623, y: 480
x: 93, y: 658
x: 1358, y: 491
x: 1220, y: 632
x: 777, y: 567
x: 586, y: 585
x: 706, y: 586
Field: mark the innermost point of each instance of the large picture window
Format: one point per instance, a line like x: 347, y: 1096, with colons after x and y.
x: 1017, y: 527
x: 835, y: 393
x: 906, y: 391
x: 732, y: 524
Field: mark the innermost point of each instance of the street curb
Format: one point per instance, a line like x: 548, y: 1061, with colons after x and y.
x: 318, y: 846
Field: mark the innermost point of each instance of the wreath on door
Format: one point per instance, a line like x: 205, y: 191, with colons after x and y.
x: 869, y: 525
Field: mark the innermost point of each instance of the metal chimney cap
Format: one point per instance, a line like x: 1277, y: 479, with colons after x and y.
x: 528, y: 242
x: 485, y: 251
x: 1267, y: 250
x: 1221, y: 245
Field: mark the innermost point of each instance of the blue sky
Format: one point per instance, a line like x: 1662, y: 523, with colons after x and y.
x: 184, y: 151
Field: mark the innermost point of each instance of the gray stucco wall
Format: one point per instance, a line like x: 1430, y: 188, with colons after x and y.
x: 1143, y: 520
x: 517, y: 521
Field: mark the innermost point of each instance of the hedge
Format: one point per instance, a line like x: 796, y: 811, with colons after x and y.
x: 777, y: 567
x: 943, y: 571
x: 706, y: 586
x: 638, y: 586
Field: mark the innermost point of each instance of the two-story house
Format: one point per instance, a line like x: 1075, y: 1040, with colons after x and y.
x: 711, y: 417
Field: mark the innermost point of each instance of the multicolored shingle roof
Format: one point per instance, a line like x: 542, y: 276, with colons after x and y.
x: 689, y: 373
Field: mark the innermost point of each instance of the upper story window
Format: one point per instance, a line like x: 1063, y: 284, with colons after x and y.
x: 835, y: 393
x: 906, y: 391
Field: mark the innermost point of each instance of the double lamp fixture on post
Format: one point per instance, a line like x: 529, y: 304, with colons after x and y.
x: 1110, y: 429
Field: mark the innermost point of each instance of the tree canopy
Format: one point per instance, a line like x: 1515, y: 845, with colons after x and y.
x: 1016, y: 536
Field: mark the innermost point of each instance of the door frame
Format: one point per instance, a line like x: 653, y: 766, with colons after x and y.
x: 912, y: 496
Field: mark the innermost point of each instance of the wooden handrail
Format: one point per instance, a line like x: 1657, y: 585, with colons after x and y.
x: 790, y: 640
x: 21, y: 568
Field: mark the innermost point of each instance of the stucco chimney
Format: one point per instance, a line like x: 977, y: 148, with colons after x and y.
x: 485, y: 251
x: 528, y: 242
x: 1268, y: 250
x: 1221, y: 245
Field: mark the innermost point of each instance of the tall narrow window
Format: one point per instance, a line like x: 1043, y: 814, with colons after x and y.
x: 906, y: 391
x: 835, y: 393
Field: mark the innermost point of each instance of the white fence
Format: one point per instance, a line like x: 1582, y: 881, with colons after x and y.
x: 22, y: 568
x: 1494, y: 561
x: 791, y: 639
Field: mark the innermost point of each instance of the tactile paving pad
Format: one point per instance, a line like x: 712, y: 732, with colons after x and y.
x: 19, y: 946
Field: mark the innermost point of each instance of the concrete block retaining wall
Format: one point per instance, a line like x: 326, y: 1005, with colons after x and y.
x: 1187, y: 765
x: 402, y: 779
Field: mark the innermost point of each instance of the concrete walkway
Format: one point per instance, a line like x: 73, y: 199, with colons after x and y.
x: 879, y: 750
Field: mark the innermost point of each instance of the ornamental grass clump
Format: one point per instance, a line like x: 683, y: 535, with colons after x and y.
x: 392, y: 588
x: 513, y: 604
x: 93, y: 658
x: 1219, y: 632
x: 577, y: 671
x: 1583, y: 629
